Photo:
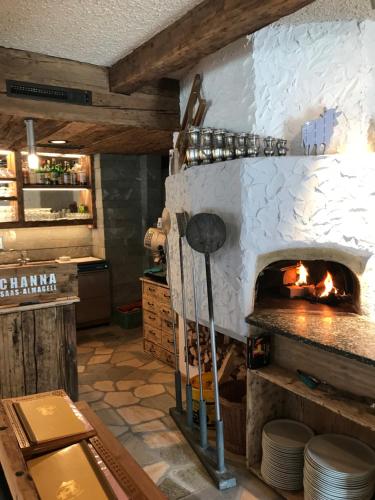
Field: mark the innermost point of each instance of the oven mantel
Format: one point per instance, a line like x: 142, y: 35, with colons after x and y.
x: 293, y: 207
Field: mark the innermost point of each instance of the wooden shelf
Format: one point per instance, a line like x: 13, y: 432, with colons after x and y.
x: 56, y: 186
x: 58, y: 222
x: 10, y: 179
x: 332, y: 399
x: 8, y: 198
x: 289, y: 495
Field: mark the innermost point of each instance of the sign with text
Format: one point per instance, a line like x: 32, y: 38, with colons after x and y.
x: 37, y: 283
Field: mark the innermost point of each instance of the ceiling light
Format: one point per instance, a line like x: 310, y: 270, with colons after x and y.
x: 58, y: 141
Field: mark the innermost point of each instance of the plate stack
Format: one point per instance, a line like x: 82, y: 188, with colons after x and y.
x: 338, y: 467
x: 283, y: 443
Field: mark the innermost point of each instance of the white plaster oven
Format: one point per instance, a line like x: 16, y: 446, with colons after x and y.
x: 313, y: 207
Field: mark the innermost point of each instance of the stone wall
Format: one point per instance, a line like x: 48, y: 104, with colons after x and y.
x: 275, y: 209
x: 46, y: 243
x: 132, y: 201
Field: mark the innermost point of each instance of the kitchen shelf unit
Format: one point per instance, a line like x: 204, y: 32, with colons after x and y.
x: 8, y: 161
x: 14, y: 160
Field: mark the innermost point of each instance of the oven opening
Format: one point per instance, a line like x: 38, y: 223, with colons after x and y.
x: 310, y: 285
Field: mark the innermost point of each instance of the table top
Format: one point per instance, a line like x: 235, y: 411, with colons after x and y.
x: 345, y: 334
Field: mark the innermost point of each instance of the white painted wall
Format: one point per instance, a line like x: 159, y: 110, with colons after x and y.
x: 285, y: 74
x: 274, y: 209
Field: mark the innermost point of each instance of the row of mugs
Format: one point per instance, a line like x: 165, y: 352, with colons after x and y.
x: 206, y: 145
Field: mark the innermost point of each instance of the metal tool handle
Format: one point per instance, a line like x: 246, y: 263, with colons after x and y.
x: 177, y: 375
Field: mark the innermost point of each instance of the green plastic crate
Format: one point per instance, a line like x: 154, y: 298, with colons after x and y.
x: 128, y: 319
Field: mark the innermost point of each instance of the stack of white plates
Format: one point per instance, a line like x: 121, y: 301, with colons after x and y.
x: 338, y: 467
x: 283, y: 443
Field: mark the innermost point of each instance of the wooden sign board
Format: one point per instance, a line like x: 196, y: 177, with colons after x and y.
x: 36, y: 283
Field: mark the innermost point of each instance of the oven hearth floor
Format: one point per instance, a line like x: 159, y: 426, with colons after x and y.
x: 132, y: 393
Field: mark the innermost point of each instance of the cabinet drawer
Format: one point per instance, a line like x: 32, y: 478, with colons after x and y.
x: 165, y: 311
x: 150, y: 303
x: 151, y: 289
x: 167, y: 326
x: 165, y: 295
x: 152, y: 319
x: 167, y: 342
x: 159, y: 353
x: 152, y: 334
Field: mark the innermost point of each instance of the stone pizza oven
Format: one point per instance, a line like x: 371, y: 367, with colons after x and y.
x: 310, y: 208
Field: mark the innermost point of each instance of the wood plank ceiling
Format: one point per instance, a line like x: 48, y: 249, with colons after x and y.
x: 84, y: 138
x: 144, y: 121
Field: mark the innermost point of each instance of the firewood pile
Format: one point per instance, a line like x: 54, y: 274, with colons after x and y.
x: 226, y: 348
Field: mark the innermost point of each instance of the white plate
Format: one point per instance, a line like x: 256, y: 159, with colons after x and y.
x: 342, y: 455
x: 285, y: 433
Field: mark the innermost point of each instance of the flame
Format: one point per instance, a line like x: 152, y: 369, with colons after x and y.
x: 328, y: 284
x: 302, y: 274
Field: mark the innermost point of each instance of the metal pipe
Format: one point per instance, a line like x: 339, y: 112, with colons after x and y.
x: 219, y: 422
x: 202, y: 402
x: 189, y: 395
x: 177, y: 374
x: 30, y: 136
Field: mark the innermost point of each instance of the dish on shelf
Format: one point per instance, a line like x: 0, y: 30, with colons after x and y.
x: 283, y: 444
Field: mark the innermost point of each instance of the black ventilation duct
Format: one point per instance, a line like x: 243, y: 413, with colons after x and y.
x: 27, y: 90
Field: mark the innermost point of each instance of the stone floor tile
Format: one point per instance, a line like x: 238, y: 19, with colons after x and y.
x: 154, y: 425
x: 92, y: 396
x: 110, y: 417
x: 136, y: 447
x: 137, y: 414
x: 149, y: 390
x: 92, y: 343
x: 163, y: 439
x: 154, y: 365
x: 162, y: 378
x: 162, y: 402
x: 104, y: 385
x: 118, y: 357
x: 99, y: 405
x: 82, y: 389
x: 103, y: 350
x: 126, y: 385
x: 136, y: 363
x: 118, y: 399
x: 192, y: 477
x: 178, y: 455
x: 82, y: 349
x: 172, y: 490
x: 156, y: 471
x: 118, y: 430
x: 99, y: 359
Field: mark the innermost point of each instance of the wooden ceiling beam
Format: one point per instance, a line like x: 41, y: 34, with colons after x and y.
x: 206, y: 28
x: 147, y: 110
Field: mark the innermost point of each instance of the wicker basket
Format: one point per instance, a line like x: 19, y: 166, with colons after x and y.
x: 233, y: 406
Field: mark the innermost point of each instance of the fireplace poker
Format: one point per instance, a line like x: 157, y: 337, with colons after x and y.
x: 166, y: 227
x: 182, y: 219
x: 206, y: 233
x: 202, y: 402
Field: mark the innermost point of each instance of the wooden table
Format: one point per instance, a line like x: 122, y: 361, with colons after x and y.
x: 136, y: 483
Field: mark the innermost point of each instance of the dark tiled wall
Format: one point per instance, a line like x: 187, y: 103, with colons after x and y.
x: 133, y: 199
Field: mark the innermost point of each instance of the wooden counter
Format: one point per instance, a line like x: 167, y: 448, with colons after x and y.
x: 38, y: 329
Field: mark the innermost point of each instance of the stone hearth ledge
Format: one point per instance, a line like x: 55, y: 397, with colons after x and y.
x: 346, y: 334
x: 293, y: 207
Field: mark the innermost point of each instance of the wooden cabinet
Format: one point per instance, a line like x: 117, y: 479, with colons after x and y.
x: 38, y: 349
x: 50, y: 196
x: 158, y: 321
